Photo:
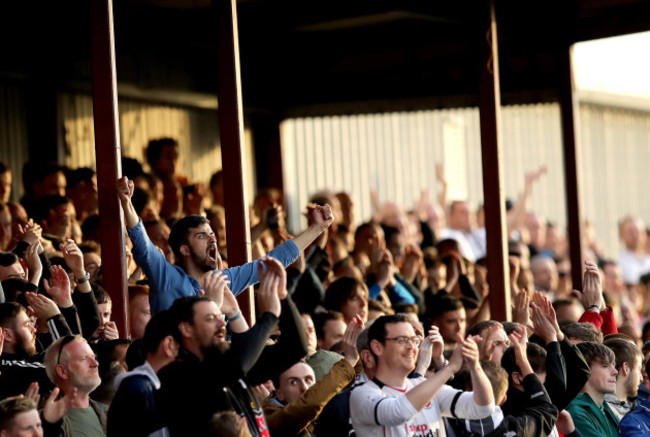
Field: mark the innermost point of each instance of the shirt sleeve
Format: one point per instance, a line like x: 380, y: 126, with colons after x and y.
x: 244, y: 276
x: 369, y: 406
x: 464, y: 406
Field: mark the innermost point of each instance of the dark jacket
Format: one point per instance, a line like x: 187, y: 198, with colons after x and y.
x: 192, y: 390
x: 538, y: 415
x: 566, y: 373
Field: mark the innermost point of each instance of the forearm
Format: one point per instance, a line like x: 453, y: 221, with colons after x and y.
x: 306, y: 237
x: 130, y: 216
x: 481, y: 386
x: 420, y: 395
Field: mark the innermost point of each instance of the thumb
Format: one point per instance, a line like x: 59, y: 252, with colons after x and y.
x: 576, y: 293
x: 46, y: 284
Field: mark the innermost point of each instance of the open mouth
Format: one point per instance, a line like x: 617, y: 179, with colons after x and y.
x: 212, y: 252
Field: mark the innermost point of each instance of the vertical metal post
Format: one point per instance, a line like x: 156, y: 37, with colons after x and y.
x: 570, y: 139
x: 108, y: 157
x: 490, y: 115
x: 231, y: 129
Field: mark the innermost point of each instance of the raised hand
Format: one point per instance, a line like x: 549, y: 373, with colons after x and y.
x: 349, y: 343
x: 412, y: 261
x: 60, y: 288
x: 542, y: 326
x: 215, y: 285
x: 31, y: 233
x: 518, y: 340
x: 273, y: 266
x: 43, y: 307
x: 55, y: 410
x: 267, y: 295
x: 546, y: 307
x: 125, y: 189
x: 33, y: 263
x: 321, y: 216
x: 470, y: 351
x: 487, y: 345
x: 520, y: 310
x: 32, y: 392
x: 110, y: 332
x: 73, y: 257
x: 592, y: 292
x: 435, y: 338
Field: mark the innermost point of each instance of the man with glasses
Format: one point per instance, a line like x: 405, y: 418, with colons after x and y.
x: 391, y: 404
x: 71, y: 365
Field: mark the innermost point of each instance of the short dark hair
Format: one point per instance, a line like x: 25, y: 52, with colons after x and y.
x: 8, y: 313
x: 8, y: 259
x: 140, y: 199
x: 377, y: 330
x: 584, y: 331
x: 321, y: 319
x: 180, y: 231
x: 76, y: 176
x: 101, y: 296
x: 624, y: 351
x: 90, y: 228
x: 510, y: 327
x: 4, y: 168
x: 375, y: 305
x: 46, y: 204
x: 14, y: 287
x: 444, y: 305
x: 342, y: 290
x: 182, y: 310
x: 596, y: 352
x: 536, y: 357
x: 159, y: 327
x: 645, y: 348
x: 154, y: 148
x: 479, y: 327
x: 13, y: 406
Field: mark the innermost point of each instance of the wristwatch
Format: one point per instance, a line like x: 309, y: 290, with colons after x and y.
x: 84, y: 278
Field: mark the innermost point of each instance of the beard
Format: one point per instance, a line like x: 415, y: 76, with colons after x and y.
x: 207, y: 261
x: 87, y: 384
x: 26, y: 348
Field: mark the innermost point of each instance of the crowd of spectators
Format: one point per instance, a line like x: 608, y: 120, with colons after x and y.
x: 363, y: 326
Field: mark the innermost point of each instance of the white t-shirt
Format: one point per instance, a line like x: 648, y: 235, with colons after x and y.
x: 386, y: 411
x: 633, y: 266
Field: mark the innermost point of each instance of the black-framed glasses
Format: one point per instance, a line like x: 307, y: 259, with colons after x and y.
x: 67, y: 339
x: 403, y: 340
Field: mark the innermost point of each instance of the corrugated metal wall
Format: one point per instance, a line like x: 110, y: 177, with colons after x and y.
x: 196, y: 130
x: 396, y: 153
x: 14, y: 148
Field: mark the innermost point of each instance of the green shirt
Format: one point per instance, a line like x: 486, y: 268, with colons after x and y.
x: 591, y: 420
x: 84, y: 422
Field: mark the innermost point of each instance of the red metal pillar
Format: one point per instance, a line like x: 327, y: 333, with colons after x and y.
x: 108, y: 157
x: 231, y: 128
x: 490, y: 117
x: 570, y: 130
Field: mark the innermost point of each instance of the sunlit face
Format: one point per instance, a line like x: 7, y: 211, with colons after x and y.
x: 25, y: 424
x: 92, y: 262
x: 59, y: 220
x: 357, y: 304
x: 634, y: 378
x: 208, y: 328
x: 202, y: 244
x: 5, y: 186
x: 603, y: 377
x: 452, y: 323
x: 25, y: 335
x: 140, y: 315
x: 460, y: 217
x: 293, y: 383
x: 5, y: 229
x: 394, y: 356
x: 18, y: 217
x: 82, y: 367
x: 310, y: 332
x: 105, y: 311
x: 54, y: 184
x: 500, y: 342
x: 333, y: 332
x: 13, y: 271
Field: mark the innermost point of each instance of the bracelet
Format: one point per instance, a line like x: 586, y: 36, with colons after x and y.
x: 83, y: 279
x: 238, y: 315
x: 597, y: 307
x: 444, y: 364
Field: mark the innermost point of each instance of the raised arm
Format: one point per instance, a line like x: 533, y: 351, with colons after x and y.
x: 319, y: 219
x: 125, y: 192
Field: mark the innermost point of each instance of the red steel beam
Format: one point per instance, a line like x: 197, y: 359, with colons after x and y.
x: 108, y: 157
